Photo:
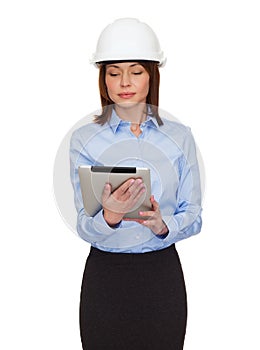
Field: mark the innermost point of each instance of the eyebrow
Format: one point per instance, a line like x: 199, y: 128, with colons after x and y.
x: 115, y: 66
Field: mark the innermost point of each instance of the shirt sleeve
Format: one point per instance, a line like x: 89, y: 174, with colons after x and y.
x: 186, y: 221
x: 91, y: 229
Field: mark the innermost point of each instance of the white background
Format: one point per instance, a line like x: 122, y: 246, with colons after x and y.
x: 211, y: 82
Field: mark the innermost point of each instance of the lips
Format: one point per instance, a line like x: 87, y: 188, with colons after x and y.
x: 126, y: 95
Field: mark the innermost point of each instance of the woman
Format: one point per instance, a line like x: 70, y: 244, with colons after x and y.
x: 133, y: 292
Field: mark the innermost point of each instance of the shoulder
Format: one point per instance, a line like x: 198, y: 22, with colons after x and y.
x: 178, y: 134
x: 87, y: 131
x: 174, y: 129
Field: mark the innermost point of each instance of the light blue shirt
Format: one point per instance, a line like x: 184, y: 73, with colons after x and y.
x: 170, y: 153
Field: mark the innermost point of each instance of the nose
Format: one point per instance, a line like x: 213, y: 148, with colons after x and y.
x: 125, y: 80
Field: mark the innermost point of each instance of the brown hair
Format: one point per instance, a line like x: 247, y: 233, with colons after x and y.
x: 152, y: 98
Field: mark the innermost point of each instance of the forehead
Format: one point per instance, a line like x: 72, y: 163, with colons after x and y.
x: 123, y: 65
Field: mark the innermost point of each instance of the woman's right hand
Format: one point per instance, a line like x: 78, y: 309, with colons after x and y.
x: 122, y: 200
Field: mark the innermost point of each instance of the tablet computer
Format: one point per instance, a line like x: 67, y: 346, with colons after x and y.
x: 94, y: 178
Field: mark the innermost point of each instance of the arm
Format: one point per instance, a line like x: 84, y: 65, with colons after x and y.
x: 186, y: 220
x: 91, y: 229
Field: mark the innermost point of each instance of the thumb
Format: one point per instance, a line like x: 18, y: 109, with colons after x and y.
x: 155, y: 204
x: 106, y: 192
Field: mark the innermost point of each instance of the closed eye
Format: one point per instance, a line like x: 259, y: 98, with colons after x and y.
x: 113, y: 74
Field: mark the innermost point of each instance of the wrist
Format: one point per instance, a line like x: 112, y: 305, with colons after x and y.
x: 164, y: 230
x: 111, y: 218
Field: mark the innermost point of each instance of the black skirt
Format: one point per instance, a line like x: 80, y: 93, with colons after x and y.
x: 133, y: 301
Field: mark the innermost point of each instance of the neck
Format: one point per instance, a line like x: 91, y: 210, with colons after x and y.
x: 134, y: 113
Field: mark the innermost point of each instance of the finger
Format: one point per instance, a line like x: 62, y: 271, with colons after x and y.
x: 125, y: 186
x: 106, y: 192
x: 147, y: 223
x: 140, y: 221
x: 134, y: 191
x: 137, y: 189
x: 155, y: 204
x: 147, y: 213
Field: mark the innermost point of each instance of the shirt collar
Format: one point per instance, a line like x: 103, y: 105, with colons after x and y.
x: 115, y: 121
x: 152, y: 121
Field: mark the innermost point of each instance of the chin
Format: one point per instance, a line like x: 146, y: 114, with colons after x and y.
x: 129, y: 104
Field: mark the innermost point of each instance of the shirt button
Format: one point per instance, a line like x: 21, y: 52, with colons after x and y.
x: 137, y: 236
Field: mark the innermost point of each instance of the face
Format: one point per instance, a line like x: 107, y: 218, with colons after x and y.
x: 127, y: 82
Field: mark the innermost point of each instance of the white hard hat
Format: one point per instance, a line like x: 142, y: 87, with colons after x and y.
x: 128, y: 39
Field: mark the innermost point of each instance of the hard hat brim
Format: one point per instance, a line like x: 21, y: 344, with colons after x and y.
x: 98, y: 63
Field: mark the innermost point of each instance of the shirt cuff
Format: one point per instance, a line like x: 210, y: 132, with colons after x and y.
x: 162, y: 236
x: 101, y: 225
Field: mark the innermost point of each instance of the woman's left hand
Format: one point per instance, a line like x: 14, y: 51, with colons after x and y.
x: 155, y: 221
